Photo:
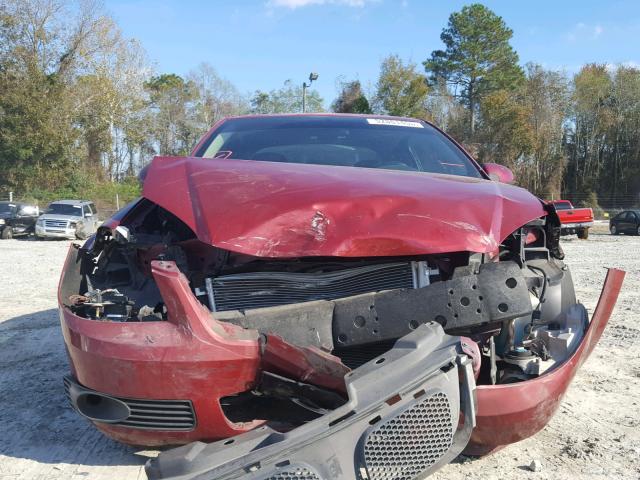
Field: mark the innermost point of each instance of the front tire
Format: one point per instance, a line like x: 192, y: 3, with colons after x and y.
x: 7, y: 233
x: 614, y: 230
x: 638, y: 230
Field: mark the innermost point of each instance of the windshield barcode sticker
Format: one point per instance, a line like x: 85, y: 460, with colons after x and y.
x: 394, y: 123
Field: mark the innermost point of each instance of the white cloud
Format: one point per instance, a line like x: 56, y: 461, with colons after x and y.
x: 612, y: 67
x: 293, y: 4
x: 582, y: 31
x: 597, y: 31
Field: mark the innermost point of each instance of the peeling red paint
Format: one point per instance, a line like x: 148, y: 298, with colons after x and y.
x: 306, y: 364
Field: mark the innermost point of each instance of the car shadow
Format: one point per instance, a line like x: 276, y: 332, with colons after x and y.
x: 32, y: 238
x: 37, y: 422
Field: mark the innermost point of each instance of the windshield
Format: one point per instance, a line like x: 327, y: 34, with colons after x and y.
x: 7, y: 208
x: 562, y: 205
x: 64, y: 209
x: 392, y: 144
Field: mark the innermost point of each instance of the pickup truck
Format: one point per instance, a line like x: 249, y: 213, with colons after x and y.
x: 573, y: 220
x: 17, y: 219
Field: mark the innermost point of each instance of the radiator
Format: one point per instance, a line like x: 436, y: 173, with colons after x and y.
x: 245, y: 291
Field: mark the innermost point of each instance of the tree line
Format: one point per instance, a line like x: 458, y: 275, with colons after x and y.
x: 80, y: 105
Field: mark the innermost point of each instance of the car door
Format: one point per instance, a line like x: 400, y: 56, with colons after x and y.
x: 618, y: 221
x: 626, y: 224
x: 634, y: 221
x: 16, y: 222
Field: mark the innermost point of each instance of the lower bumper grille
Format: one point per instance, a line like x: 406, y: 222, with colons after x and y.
x: 293, y: 473
x: 174, y: 415
x: 160, y: 414
x: 410, y: 443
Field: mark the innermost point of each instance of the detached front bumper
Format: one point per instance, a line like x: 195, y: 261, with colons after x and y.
x: 512, y: 412
x: 181, y: 360
x: 403, y: 420
x: 189, y: 359
x: 195, y: 359
x: 392, y: 426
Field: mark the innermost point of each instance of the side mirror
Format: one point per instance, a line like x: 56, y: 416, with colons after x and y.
x: 498, y: 173
x: 88, y: 215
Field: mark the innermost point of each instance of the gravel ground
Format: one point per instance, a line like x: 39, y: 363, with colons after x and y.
x: 594, y: 435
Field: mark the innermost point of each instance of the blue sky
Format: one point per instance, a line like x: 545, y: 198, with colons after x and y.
x: 258, y: 44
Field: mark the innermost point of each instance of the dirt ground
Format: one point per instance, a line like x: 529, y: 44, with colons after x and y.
x: 595, y: 434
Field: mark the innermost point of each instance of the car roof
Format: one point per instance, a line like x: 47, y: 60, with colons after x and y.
x: 325, y: 114
x: 71, y: 202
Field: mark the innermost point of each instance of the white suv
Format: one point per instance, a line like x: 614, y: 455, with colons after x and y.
x: 68, y: 219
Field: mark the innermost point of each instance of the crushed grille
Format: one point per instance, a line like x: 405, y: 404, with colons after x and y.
x: 295, y: 473
x: 408, y: 444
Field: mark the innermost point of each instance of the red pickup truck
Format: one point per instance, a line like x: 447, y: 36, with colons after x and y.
x: 574, y: 220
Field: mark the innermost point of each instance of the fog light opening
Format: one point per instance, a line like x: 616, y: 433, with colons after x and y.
x: 102, y: 408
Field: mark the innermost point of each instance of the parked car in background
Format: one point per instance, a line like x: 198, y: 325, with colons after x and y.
x: 68, y: 219
x: 17, y: 219
x: 625, y: 222
x: 574, y: 220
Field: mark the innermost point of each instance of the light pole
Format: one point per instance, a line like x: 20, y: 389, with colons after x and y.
x: 312, y: 77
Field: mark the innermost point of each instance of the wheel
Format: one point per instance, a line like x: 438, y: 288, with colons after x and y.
x: 583, y: 233
x: 81, y: 235
x: 6, y: 234
x: 614, y: 230
x: 638, y: 230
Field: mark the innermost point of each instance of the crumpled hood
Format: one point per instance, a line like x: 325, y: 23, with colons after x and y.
x: 270, y: 209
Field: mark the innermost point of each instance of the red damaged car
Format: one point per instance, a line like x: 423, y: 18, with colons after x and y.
x: 324, y: 296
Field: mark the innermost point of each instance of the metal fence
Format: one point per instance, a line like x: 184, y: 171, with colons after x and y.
x: 607, y: 206
x: 7, y: 196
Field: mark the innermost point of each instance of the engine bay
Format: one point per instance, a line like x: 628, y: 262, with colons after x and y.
x: 515, y: 308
